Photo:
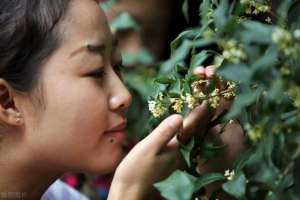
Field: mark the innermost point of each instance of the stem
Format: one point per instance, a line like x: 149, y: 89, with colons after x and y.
x: 289, y: 167
x: 222, y: 92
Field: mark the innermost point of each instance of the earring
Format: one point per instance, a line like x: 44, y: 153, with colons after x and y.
x: 18, y: 120
x: 18, y: 117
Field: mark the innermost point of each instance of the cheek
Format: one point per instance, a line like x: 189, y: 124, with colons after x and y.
x: 78, y: 109
x: 72, y: 124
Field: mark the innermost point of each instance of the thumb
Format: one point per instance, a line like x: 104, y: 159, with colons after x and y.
x: 165, y: 131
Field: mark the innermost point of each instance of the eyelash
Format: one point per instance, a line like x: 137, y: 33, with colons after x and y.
x: 99, y: 73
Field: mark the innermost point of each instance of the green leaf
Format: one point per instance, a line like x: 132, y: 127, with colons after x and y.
x: 107, y: 5
x: 186, y: 151
x: 237, y: 186
x: 124, y: 21
x: 210, y: 150
x: 176, y: 87
x: 256, y: 32
x: 276, y: 90
x: 283, y: 10
x: 198, y: 59
x: 204, y: 9
x: 141, y: 57
x: 165, y: 80
x: 187, y: 88
x: 178, y: 56
x: 221, y: 14
x: 188, y: 34
x: 179, y: 186
x: 180, y: 68
x: 141, y: 84
x: 241, y: 101
x: 271, y: 196
x: 174, y: 95
x: 267, y: 60
x: 236, y: 72
x: 242, y: 160
x: 208, y: 178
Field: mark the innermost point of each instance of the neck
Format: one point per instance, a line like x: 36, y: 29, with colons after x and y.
x: 22, y: 176
x: 18, y: 184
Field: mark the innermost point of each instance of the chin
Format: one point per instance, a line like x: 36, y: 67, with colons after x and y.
x: 106, y: 166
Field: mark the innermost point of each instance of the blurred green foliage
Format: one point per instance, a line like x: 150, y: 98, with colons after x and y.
x: 257, y: 48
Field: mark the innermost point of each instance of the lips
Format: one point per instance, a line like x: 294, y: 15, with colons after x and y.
x: 118, y: 128
x: 117, y: 133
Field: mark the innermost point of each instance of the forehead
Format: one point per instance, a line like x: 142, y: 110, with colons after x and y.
x: 85, y: 22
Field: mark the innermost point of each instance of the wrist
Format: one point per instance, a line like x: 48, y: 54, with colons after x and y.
x: 125, y: 191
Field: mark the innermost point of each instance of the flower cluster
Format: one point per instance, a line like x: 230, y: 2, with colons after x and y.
x: 254, y: 7
x: 159, y: 105
x: 288, y: 43
x: 233, y: 52
x: 254, y: 132
x: 156, y: 107
x: 214, y: 98
x: 229, y: 174
x: 230, y: 91
x: 177, y: 104
x: 191, y: 101
x: 294, y: 93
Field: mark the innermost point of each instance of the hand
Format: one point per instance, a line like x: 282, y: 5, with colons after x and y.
x: 197, y: 121
x: 155, y: 157
x: 152, y: 159
x: 233, y: 136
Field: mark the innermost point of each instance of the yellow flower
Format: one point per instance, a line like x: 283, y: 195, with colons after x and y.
x: 283, y: 39
x: 285, y: 70
x: 233, y: 52
x: 294, y: 93
x: 269, y: 20
x: 177, y: 104
x: 231, y: 90
x: 214, y: 98
x: 254, y: 132
x: 214, y: 101
x: 191, y: 101
x: 254, y: 7
x: 198, y: 85
x: 229, y: 174
x: 156, y: 108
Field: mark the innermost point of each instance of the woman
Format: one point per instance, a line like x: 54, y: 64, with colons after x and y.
x: 63, y: 104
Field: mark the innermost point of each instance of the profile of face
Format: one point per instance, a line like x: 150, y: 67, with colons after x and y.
x: 84, y: 97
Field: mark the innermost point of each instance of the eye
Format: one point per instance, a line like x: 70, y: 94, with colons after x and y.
x: 118, y: 68
x: 99, y: 73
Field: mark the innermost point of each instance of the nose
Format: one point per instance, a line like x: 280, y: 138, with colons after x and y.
x: 120, y: 97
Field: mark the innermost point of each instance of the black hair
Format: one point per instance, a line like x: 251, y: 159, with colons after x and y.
x: 29, y: 33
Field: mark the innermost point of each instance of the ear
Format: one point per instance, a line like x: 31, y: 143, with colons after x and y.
x: 9, y: 114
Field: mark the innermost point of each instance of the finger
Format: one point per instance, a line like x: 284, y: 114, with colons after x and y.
x: 175, y: 158
x: 162, y: 135
x: 198, y: 119
x: 223, y: 106
x: 200, y: 71
x: 210, y: 72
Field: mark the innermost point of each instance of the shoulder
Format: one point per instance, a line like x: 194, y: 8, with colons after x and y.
x: 61, y: 191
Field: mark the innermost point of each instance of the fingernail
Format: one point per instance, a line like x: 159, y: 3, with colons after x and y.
x: 199, y: 70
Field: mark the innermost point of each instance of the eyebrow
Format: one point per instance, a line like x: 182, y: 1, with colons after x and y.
x: 96, y: 48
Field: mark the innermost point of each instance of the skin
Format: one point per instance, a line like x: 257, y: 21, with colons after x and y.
x: 68, y: 135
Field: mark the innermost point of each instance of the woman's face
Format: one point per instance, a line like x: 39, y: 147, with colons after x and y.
x: 84, y: 97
